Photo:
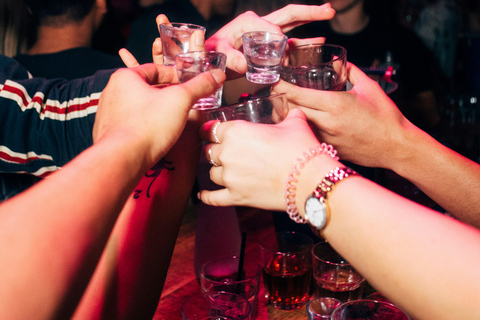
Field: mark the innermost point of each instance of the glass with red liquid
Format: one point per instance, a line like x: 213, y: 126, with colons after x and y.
x: 334, y: 276
x: 287, y: 269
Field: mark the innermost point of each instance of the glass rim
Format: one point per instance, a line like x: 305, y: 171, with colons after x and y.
x: 316, y: 257
x: 342, y: 56
x: 380, y: 302
x: 248, y: 35
x: 249, y: 279
x: 305, y: 236
x: 176, y: 25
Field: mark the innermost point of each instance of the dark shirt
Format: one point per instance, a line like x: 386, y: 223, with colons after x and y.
x: 381, y: 41
x: 69, y: 64
x: 144, y: 29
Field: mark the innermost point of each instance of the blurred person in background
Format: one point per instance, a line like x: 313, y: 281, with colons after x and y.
x: 65, y: 30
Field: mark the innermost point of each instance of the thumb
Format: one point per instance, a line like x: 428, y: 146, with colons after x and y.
x: 296, y: 114
x: 203, y: 84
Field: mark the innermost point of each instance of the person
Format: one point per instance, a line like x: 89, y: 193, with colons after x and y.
x: 431, y: 250
x: 51, y: 249
x: 128, y: 278
x: 373, y: 37
x: 65, y: 30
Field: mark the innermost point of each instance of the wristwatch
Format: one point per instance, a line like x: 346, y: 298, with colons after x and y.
x: 317, y: 211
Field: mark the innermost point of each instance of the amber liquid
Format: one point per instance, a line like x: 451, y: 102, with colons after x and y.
x: 287, y: 283
x: 340, y: 284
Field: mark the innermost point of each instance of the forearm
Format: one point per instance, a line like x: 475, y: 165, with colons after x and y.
x: 412, y: 255
x: 51, y: 252
x: 129, y: 278
x: 448, y: 178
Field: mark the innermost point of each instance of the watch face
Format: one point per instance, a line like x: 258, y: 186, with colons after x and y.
x: 316, y: 212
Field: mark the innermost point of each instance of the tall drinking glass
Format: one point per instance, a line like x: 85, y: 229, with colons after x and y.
x: 287, y: 269
x: 334, y: 276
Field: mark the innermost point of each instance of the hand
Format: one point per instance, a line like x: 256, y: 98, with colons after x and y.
x: 255, y: 160
x: 147, y: 119
x: 229, y: 38
x: 363, y: 124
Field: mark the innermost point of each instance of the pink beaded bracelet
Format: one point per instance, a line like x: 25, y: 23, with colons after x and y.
x: 292, y: 179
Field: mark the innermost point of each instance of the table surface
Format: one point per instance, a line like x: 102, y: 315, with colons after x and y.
x: 181, y: 282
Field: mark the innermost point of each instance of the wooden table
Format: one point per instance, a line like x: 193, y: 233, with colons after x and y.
x: 181, y: 282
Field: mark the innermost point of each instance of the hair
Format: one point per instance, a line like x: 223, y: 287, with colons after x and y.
x: 48, y: 12
x: 15, y: 28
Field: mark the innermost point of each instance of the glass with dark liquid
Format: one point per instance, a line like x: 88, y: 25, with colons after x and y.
x: 287, y: 269
x: 334, y: 276
x: 317, y: 66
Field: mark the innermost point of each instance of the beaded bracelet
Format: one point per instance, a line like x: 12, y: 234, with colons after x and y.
x: 292, y: 180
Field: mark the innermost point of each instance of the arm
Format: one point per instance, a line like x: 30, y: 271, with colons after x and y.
x: 367, y: 128
x: 129, y: 278
x: 52, y: 247
x: 229, y: 38
x: 40, y: 119
x: 411, y: 254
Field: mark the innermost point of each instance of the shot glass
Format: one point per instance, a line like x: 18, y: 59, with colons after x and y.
x: 175, y: 38
x: 368, y: 310
x: 334, y: 276
x: 317, y: 66
x: 190, y: 64
x: 216, y: 305
x: 264, y: 53
x: 321, y: 308
x: 287, y: 269
x: 222, y: 274
x: 267, y: 110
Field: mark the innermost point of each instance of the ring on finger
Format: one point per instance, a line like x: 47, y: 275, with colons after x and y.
x: 214, y: 132
x: 209, y: 158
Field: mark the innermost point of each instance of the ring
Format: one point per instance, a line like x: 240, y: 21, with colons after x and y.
x: 209, y: 158
x: 214, y: 132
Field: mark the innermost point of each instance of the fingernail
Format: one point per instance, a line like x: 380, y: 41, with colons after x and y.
x: 198, y: 195
x: 199, y: 39
x: 216, y: 75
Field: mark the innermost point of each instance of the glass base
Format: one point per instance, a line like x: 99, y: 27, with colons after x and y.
x: 263, y: 78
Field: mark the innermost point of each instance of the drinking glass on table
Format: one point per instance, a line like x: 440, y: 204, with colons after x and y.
x: 216, y: 306
x: 286, y: 263
x: 222, y: 274
x: 334, y: 276
x: 368, y: 310
x: 190, y: 64
x: 321, y: 308
x: 267, y: 110
x: 264, y: 53
x: 175, y: 38
x: 316, y: 66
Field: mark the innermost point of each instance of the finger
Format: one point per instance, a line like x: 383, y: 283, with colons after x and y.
x: 211, y: 156
x: 210, y: 130
x: 128, y: 58
x: 161, y: 19
x: 295, y: 42
x: 157, y: 51
x: 197, y: 41
x: 293, y: 16
x: 217, y: 198
x: 155, y: 74
x: 204, y: 84
x: 355, y: 75
x: 236, y: 61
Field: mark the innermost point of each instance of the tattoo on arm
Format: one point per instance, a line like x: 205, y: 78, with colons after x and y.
x: 153, y: 173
